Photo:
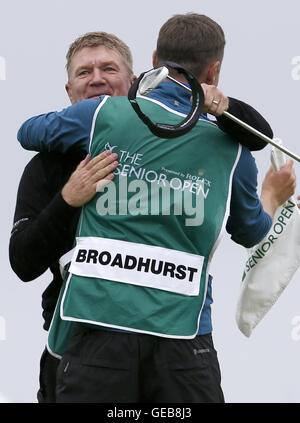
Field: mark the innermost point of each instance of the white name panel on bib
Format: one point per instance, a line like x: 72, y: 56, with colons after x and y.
x: 137, y: 264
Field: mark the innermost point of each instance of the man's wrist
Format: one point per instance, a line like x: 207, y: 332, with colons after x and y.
x: 269, y: 203
x: 68, y: 199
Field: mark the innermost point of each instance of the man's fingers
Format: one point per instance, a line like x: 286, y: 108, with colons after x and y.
x: 289, y: 163
x: 84, y: 162
x: 289, y: 170
x: 103, y: 182
x: 103, y: 172
x: 218, y: 109
x: 98, y: 158
x: 215, y: 102
x: 98, y: 163
x: 104, y: 158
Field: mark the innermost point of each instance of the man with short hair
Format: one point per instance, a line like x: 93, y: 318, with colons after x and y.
x: 46, y: 217
x: 105, y: 58
x: 69, y: 196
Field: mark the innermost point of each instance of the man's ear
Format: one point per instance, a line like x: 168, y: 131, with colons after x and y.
x: 132, y: 79
x: 212, y: 73
x: 69, y: 92
x: 154, y: 59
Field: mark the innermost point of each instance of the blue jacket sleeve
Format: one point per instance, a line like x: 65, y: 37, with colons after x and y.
x: 59, y: 131
x: 248, y: 223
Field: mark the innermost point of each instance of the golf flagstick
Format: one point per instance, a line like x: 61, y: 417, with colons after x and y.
x: 156, y: 76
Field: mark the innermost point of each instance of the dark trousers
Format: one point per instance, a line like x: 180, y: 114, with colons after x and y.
x: 48, y: 369
x: 101, y: 366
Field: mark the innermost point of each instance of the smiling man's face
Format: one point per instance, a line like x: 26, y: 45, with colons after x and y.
x: 95, y: 71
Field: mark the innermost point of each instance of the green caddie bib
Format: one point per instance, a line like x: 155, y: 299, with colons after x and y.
x: 145, y: 241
